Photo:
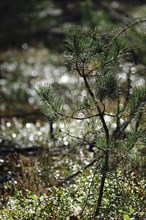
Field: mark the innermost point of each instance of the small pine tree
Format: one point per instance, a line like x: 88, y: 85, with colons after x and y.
x: 95, y: 59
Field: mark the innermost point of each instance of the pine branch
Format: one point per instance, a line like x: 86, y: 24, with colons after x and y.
x: 132, y: 23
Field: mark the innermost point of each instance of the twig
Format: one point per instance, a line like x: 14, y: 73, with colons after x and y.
x: 80, y: 170
x: 84, y: 140
x: 129, y: 25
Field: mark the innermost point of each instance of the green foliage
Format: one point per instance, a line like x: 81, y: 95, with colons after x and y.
x: 77, y: 42
x: 47, y: 97
x: 137, y: 100
x: 80, y: 48
x: 107, y: 86
x: 63, y: 202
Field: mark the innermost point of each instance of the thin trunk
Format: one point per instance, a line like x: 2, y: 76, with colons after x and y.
x: 107, y: 136
x: 105, y: 170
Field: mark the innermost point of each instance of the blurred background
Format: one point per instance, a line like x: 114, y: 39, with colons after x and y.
x: 32, y: 41
x: 32, y: 49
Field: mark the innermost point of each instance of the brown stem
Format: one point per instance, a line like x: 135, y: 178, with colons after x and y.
x: 105, y: 167
x: 105, y: 170
x: 98, y: 109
